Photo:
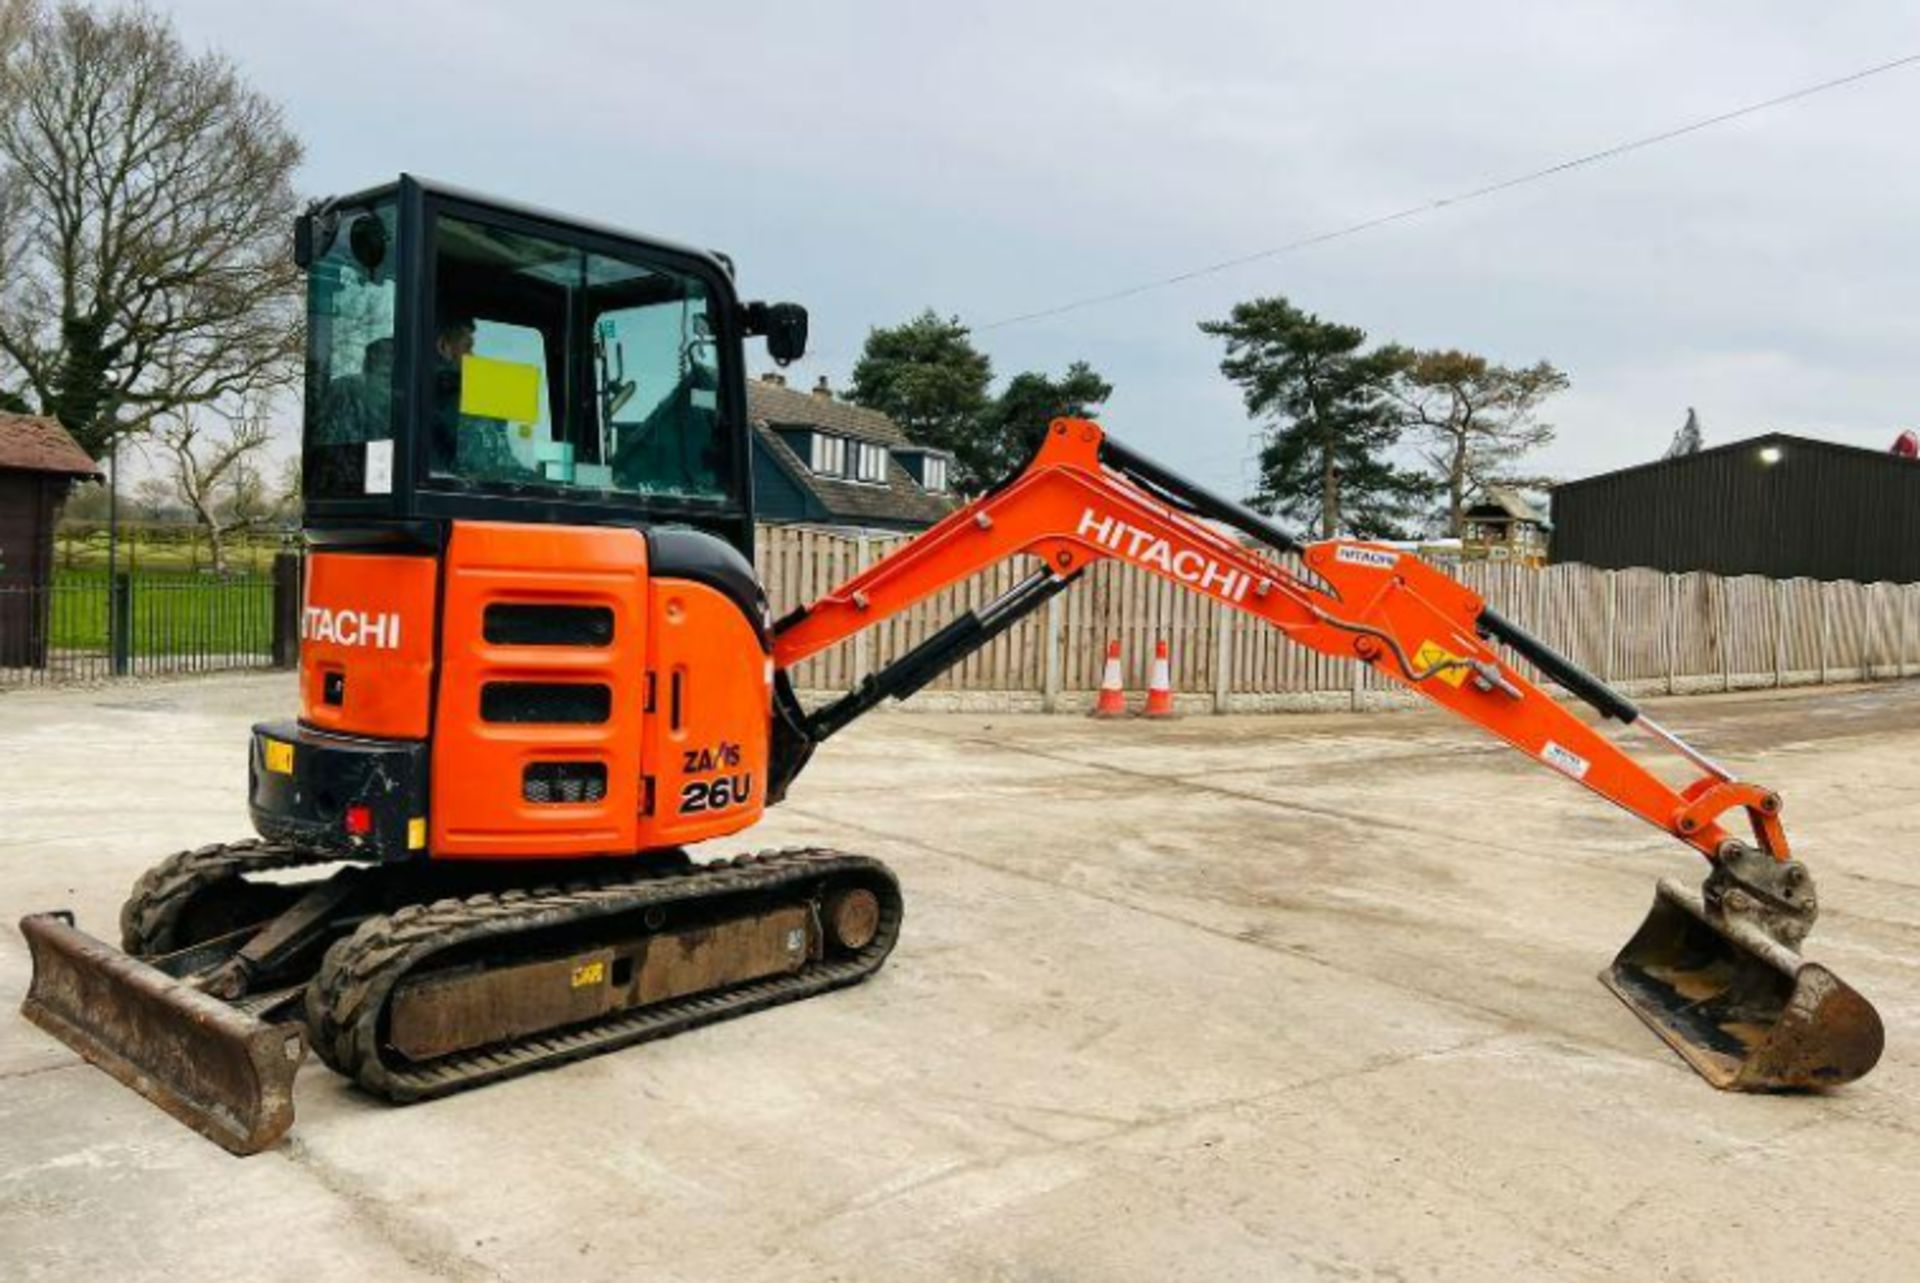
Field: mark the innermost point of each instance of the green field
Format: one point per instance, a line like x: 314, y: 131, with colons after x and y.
x: 172, y: 614
x: 162, y: 548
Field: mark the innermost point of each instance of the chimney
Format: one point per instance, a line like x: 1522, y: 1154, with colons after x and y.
x: 777, y: 380
x: 821, y: 388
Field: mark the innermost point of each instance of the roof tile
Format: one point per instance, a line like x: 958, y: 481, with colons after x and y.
x: 785, y: 407
x: 33, y: 443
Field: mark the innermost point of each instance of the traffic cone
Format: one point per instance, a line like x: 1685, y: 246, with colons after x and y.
x: 1113, y: 695
x: 1160, y: 687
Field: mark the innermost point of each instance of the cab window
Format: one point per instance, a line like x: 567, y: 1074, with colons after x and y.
x: 350, y: 359
x: 657, y: 388
x: 555, y: 369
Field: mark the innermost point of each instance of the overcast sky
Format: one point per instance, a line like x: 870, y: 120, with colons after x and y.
x: 872, y: 159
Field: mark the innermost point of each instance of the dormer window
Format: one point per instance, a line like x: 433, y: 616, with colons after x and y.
x: 869, y: 462
x: 829, y: 456
x: 930, y: 469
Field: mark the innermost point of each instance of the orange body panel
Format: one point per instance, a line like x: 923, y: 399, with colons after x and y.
x: 706, y: 748
x: 477, y: 809
x: 684, y: 742
x: 367, y: 626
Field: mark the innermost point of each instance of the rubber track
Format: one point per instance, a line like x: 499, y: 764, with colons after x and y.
x: 152, y: 909
x: 347, y: 999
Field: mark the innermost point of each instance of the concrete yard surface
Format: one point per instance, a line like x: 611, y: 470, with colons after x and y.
x: 1214, y: 999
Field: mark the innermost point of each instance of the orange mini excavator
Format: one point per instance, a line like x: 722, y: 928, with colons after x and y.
x: 537, y: 664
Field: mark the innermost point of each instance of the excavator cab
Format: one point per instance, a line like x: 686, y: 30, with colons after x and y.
x: 470, y: 359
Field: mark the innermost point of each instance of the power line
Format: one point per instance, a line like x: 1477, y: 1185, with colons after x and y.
x: 1460, y: 198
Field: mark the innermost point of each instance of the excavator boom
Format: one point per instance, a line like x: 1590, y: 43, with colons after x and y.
x: 1717, y: 975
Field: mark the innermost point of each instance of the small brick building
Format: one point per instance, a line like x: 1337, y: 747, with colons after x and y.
x: 38, y: 463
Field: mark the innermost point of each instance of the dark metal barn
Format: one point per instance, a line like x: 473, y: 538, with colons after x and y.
x: 1776, y: 505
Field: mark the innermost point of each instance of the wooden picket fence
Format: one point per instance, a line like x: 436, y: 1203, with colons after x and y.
x: 1644, y: 630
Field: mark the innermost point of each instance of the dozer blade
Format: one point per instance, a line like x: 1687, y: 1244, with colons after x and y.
x: 222, y: 1072
x: 1748, y: 1013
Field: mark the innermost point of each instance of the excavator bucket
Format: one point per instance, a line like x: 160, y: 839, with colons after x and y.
x: 1747, y: 1012
x: 221, y: 1071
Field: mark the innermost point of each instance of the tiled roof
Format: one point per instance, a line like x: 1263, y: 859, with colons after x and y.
x: 32, y: 443
x: 785, y: 407
x: 854, y: 503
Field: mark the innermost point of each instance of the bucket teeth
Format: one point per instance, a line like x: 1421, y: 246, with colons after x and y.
x: 1747, y: 1012
x: 224, y: 1073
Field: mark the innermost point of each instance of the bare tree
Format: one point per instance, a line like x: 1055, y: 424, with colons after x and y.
x: 153, y: 500
x: 145, y: 268
x: 86, y: 501
x: 14, y: 18
x: 211, y: 471
x: 244, y: 502
x: 1474, y: 420
x: 289, y: 499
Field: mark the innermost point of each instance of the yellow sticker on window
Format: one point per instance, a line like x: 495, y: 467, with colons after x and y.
x: 279, y: 757
x: 1431, y: 653
x: 591, y: 973
x: 491, y: 389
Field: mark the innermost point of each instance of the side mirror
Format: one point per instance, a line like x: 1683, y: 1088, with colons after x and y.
x: 313, y: 233
x: 303, y: 242
x: 367, y: 238
x: 785, y: 328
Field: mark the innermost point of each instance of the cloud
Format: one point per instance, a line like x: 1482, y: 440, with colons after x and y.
x: 874, y: 158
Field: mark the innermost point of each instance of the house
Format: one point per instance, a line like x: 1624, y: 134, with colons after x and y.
x: 1777, y: 505
x: 1501, y: 525
x: 38, y: 462
x: 821, y: 460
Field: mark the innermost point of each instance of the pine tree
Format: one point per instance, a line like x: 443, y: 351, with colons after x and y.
x: 927, y: 376
x: 1015, y: 422
x: 1688, y: 439
x: 1330, y: 421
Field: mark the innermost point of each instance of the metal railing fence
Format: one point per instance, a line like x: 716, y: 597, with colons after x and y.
x: 88, y: 627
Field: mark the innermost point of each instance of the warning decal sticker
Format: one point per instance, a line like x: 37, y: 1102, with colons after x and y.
x: 1432, y: 653
x: 1565, y: 760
